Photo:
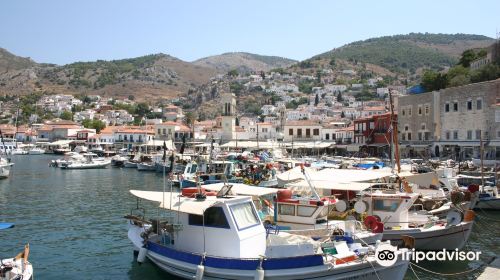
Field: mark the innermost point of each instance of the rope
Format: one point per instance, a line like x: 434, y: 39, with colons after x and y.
x: 414, y: 273
x: 448, y: 274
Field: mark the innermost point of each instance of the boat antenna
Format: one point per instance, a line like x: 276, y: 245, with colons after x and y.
x: 308, y: 180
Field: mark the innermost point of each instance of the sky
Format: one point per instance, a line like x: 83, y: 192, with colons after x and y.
x: 63, y: 31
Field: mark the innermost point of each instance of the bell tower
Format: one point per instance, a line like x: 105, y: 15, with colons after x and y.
x: 228, y: 116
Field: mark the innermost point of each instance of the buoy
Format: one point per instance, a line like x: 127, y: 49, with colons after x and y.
x: 259, y: 274
x: 142, y: 255
x: 360, y: 206
x: 341, y: 205
x: 199, y: 272
x: 469, y: 216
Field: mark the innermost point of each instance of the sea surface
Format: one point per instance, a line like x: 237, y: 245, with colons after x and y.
x: 73, y: 221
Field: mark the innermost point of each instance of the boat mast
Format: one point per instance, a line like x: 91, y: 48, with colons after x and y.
x: 394, y: 124
x: 481, y: 151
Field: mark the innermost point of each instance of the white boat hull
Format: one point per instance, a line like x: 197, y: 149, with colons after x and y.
x: 19, y: 269
x: 174, y: 265
x: 146, y: 167
x: 93, y: 165
x: 5, y: 170
x: 36, y: 152
x: 449, y: 238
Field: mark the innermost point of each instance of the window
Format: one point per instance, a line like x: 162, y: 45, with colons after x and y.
x: 455, y: 135
x: 469, y: 105
x: 422, y: 126
x: 447, y: 107
x: 327, y: 136
x: 316, y: 131
x: 409, y: 112
x: 420, y: 110
x: 427, y: 136
x: 125, y: 137
x: 403, y: 136
x: 244, y: 215
x: 447, y: 135
x: 469, y: 134
x: 420, y: 136
x: 385, y: 205
x: 478, y: 134
x: 308, y: 132
x: 409, y: 136
x: 455, y: 106
x: 286, y: 209
x: 159, y: 131
x: 264, y: 130
x: 403, y: 112
x: 479, y: 104
x: 164, y: 131
x: 372, y: 125
x: 498, y: 134
x: 299, y: 132
x: 406, y: 127
x: 305, y: 211
x: 427, y: 110
x: 214, y: 217
x: 290, y: 131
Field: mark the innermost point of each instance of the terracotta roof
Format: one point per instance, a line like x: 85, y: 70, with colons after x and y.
x: 301, y: 123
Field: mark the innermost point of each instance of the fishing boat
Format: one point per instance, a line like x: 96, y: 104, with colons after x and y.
x: 301, y: 215
x: 18, y: 267
x: 118, y: 160
x: 488, y: 199
x: 146, y: 166
x: 5, y: 166
x: 214, y: 236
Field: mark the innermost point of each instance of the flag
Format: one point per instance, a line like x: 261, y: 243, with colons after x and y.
x: 183, y: 146
x: 164, y: 151
x: 264, y: 156
x: 171, y: 167
x: 389, y: 130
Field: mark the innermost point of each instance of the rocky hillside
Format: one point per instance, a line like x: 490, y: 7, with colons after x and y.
x: 9, y: 62
x: 243, y: 62
x: 152, y: 76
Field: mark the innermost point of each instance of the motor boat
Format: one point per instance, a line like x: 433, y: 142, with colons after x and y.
x: 90, y: 161
x: 146, y: 166
x: 18, y: 267
x: 36, y: 151
x: 118, y: 160
x: 208, y: 235
x: 5, y: 166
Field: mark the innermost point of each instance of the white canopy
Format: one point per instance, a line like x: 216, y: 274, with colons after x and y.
x: 60, y: 143
x: 179, y: 203
x: 352, y: 186
x: 185, y: 204
x: 252, y: 144
x: 159, y: 143
x: 242, y: 189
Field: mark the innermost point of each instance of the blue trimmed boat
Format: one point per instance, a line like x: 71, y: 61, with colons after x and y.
x: 220, y: 236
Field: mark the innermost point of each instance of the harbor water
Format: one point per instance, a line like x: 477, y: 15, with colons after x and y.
x: 73, y: 221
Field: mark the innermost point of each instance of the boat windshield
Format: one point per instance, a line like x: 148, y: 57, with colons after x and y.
x: 244, y: 215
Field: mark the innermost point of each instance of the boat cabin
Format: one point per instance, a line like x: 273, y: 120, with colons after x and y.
x: 391, y: 208
x: 226, y: 226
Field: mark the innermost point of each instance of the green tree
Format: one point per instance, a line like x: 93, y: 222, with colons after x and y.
x: 190, y: 118
x: 142, y: 109
x: 467, y: 57
x: 339, y: 97
x: 342, y: 115
x: 232, y: 73
x: 332, y: 62
x: 316, y: 100
x: 66, y: 115
x: 487, y: 72
x: 458, y: 76
x: 432, y: 80
x: 131, y: 97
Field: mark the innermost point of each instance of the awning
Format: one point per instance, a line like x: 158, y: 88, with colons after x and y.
x: 378, y: 145
x: 351, y: 186
x: 179, y: 203
x: 159, y: 143
x: 242, y: 189
x: 60, y: 143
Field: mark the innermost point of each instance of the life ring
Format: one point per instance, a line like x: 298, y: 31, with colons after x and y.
x: 374, y: 224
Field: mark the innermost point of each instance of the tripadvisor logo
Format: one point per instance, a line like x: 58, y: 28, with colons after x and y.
x: 386, y: 255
